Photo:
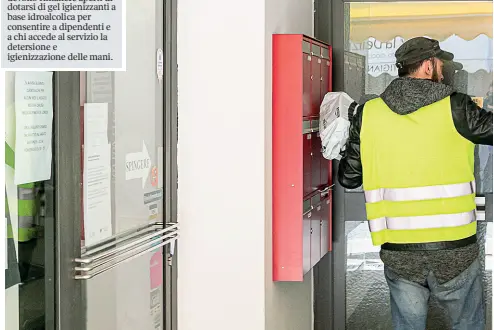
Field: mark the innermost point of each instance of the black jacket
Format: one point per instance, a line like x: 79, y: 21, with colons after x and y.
x: 404, y: 96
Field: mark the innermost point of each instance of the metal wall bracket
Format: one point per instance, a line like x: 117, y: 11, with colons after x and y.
x: 480, y: 211
x: 124, y: 247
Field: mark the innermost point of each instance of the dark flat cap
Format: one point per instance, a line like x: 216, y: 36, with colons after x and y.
x: 419, y: 49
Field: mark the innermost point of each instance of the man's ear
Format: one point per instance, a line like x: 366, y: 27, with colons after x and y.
x: 428, y: 67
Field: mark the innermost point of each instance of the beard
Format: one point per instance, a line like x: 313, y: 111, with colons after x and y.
x: 435, y: 74
x: 448, y: 74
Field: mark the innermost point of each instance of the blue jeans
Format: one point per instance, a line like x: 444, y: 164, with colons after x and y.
x: 462, y: 297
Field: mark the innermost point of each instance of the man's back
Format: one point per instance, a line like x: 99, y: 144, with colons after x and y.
x: 405, y: 96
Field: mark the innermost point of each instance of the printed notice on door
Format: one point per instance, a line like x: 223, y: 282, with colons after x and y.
x: 97, y: 193
x: 97, y: 174
x: 71, y: 34
x: 33, y: 124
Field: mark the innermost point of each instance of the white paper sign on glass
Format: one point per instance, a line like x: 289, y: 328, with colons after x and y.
x: 97, y: 174
x: 100, y: 86
x: 33, y: 123
x: 97, y: 194
x: 95, y: 124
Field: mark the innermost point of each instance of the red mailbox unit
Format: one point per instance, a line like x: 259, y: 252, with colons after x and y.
x: 301, y: 175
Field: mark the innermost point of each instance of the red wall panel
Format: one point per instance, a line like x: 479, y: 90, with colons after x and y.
x: 301, y: 216
x: 287, y: 157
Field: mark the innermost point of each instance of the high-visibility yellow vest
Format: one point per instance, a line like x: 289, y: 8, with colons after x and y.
x: 418, y: 175
x: 27, y: 202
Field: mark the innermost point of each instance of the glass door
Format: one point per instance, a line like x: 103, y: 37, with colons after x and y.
x: 126, y: 239
x: 364, y: 51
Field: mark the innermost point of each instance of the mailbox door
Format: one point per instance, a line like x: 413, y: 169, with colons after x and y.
x: 307, y: 159
x: 317, y: 160
x: 315, y: 238
x: 325, y: 177
x: 306, y: 60
x: 306, y: 222
x: 325, y: 228
x: 316, y: 86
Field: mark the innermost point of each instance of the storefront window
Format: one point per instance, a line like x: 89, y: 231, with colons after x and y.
x: 373, y: 33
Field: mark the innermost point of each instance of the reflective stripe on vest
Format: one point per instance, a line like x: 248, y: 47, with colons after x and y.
x: 27, y: 202
x: 420, y: 193
x: 422, y: 222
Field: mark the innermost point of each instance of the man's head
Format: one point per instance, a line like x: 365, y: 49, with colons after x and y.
x: 421, y: 58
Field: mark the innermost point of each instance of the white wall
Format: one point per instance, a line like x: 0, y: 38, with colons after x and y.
x: 224, y: 164
x: 288, y: 305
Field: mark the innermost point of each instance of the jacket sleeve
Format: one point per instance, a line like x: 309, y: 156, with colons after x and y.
x: 471, y: 121
x: 350, y: 168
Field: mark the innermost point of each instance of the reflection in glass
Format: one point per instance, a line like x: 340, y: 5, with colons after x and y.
x: 132, y: 137
x: 28, y: 207
x: 366, y: 289
x: 373, y: 32
x: 367, y: 294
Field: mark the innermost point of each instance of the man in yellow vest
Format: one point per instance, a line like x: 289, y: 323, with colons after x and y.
x: 413, y: 150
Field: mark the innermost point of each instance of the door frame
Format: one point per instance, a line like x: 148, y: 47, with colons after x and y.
x: 69, y: 298
x: 69, y: 294
x: 330, y: 272
x: 170, y: 142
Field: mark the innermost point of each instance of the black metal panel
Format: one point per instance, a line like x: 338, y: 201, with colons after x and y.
x: 339, y: 240
x: 488, y: 207
x: 322, y: 22
x: 170, y: 125
x: 323, y: 293
x: 69, y: 298
x: 323, y: 270
x: 355, y: 206
x: 50, y: 245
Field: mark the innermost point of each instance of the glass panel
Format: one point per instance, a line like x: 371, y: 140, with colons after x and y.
x: 366, y: 289
x: 29, y: 198
x: 367, y: 294
x: 474, y: 52
x: 373, y: 32
x: 122, y: 171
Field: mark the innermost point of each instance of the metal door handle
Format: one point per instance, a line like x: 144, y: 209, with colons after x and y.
x: 124, y: 247
x: 101, y: 271
x: 120, y: 237
x: 116, y: 256
x: 117, y: 249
